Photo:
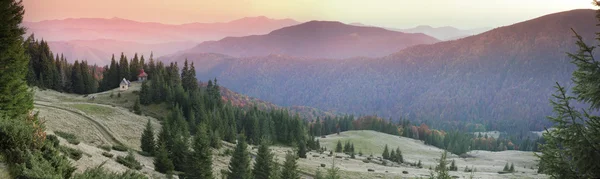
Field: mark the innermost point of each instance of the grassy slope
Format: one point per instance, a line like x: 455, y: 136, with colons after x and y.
x: 487, y: 163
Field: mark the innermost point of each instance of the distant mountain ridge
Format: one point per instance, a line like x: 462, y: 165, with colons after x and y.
x: 443, y: 33
x: 316, y: 39
x: 502, y: 78
x: 96, y: 39
x: 151, y: 32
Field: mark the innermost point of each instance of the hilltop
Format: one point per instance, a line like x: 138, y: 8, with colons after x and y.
x: 316, y: 39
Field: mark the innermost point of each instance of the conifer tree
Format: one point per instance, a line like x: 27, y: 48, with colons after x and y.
x: 290, y: 167
x: 264, y: 162
x: 506, y: 168
x: 338, y: 147
x: 512, y: 168
x: 386, y: 153
x: 15, y: 98
x: 147, y: 140
x: 200, y: 162
x: 239, y: 165
x: 137, y: 109
x: 399, y: 157
x: 442, y: 169
x: 301, y: 149
x: 333, y: 172
x: 453, y: 166
x: 162, y: 162
x: 572, y: 149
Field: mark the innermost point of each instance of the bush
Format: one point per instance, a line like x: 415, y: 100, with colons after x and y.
x: 105, y: 147
x: 101, y: 173
x: 72, y: 153
x: 52, y: 139
x: 129, y: 161
x: 119, y: 148
x: 106, y: 154
x: 71, y: 138
x: 146, y: 154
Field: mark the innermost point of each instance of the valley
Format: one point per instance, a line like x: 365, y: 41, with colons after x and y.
x: 108, y: 121
x: 261, y: 90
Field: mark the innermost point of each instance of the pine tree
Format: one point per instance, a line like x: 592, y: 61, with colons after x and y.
x: 333, y: 172
x: 386, y: 153
x: 338, y: 147
x: 15, y: 98
x: 572, y: 149
x: 290, y: 167
x: 301, y: 149
x: 399, y: 157
x: 147, y: 140
x: 442, y: 169
x: 453, y: 166
x: 137, y: 109
x: 239, y: 166
x: 393, y: 155
x: 512, y: 168
x: 506, y: 168
x: 200, y: 162
x: 264, y: 162
x: 162, y: 163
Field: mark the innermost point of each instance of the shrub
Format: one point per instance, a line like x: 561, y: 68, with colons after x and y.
x: 119, y: 148
x: 129, y: 161
x: 105, y: 147
x: 100, y: 173
x: 106, y: 154
x: 71, y: 138
x: 53, y: 140
x: 74, y: 154
x: 146, y: 154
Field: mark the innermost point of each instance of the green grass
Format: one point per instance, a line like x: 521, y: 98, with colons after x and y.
x: 71, y: 138
x: 93, y: 109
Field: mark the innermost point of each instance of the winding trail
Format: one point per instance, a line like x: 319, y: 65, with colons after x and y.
x: 103, y: 129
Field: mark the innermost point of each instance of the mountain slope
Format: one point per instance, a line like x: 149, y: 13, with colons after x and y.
x: 317, y: 39
x: 149, y: 32
x: 502, y: 78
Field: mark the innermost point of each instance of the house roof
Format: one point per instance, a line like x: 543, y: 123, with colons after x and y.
x: 125, y: 82
x: 142, y: 73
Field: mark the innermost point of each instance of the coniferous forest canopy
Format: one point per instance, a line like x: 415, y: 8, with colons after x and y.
x: 200, y: 119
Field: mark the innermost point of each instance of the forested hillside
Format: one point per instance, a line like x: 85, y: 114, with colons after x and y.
x: 501, y: 78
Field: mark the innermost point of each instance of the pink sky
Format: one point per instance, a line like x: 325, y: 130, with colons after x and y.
x: 388, y: 13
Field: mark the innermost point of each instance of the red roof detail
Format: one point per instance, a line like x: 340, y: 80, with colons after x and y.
x: 142, y: 73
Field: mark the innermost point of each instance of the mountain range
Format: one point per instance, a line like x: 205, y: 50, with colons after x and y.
x: 502, y: 78
x: 317, y: 39
x: 96, y: 39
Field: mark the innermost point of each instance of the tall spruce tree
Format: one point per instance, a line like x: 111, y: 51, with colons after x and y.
x: 162, y: 162
x: 338, y: 147
x: 290, y: 167
x: 148, y: 143
x: 239, y: 165
x: 200, y: 162
x: 15, y: 98
x: 572, y: 149
x: 263, y: 168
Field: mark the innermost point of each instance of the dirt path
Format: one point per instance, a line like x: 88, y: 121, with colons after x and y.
x: 105, y: 132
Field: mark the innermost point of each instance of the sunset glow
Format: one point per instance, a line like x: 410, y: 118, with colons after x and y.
x: 388, y: 13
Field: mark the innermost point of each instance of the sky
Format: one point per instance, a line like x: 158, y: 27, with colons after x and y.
x: 385, y: 13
